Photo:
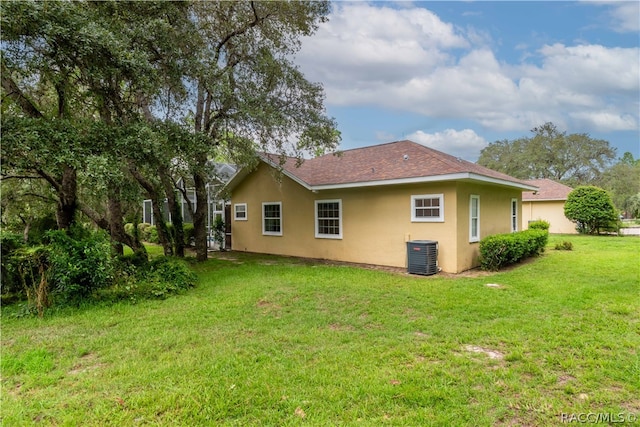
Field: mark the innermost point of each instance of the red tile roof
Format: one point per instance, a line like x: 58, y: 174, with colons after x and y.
x: 401, y: 160
x: 547, y: 190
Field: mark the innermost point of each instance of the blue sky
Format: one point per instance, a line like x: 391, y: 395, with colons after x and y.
x: 457, y: 76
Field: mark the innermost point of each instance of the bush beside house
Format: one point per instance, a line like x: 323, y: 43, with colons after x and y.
x: 500, y: 250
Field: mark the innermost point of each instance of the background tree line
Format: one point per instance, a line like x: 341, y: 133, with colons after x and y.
x: 107, y: 103
x: 573, y: 159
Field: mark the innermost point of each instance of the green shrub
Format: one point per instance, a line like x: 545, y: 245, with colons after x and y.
x: 9, y: 244
x: 129, y: 228
x: 500, y: 250
x: 32, y: 265
x: 40, y: 227
x: 159, y: 278
x: 219, y: 232
x: 564, y: 246
x: 189, y: 233
x: 591, y: 209
x: 80, y: 263
x: 153, y: 234
x: 539, y: 225
x: 143, y: 230
x: 168, y: 276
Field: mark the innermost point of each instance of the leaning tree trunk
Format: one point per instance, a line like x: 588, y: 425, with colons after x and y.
x: 153, y: 194
x: 101, y: 221
x: 174, y: 209
x: 200, y: 216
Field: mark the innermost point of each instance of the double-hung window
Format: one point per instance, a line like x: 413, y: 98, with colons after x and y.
x: 514, y: 215
x: 240, y: 211
x: 328, y: 219
x: 272, y: 218
x: 474, y: 218
x: 427, y: 208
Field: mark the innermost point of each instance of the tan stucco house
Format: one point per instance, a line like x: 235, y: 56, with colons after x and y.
x: 547, y: 203
x: 365, y: 204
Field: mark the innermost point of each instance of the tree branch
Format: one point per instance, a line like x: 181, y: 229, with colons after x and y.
x: 14, y: 92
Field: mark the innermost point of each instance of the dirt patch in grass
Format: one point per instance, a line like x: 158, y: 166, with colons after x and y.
x: 492, y: 354
x: 88, y: 362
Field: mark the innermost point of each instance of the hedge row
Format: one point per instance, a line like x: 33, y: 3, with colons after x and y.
x: 500, y: 250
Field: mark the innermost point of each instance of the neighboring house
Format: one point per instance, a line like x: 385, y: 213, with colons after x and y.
x: 218, y: 207
x: 365, y: 204
x: 547, y: 204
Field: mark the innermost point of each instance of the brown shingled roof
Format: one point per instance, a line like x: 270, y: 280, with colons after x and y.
x: 393, y: 161
x: 548, y: 190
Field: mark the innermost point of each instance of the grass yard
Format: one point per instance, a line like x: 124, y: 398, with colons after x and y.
x: 279, y: 341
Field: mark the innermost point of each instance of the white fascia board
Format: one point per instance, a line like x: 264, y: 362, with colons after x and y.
x: 415, y: 180
x: 285, y: 172
x: 561, y: 199
x: 235, y: 179
x: 499, y: 181
x: 424, y: 179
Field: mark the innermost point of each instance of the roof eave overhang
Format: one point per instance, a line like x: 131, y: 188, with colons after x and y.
x: 557, y: 199
x: 424, y: 179
x: 243, y: 172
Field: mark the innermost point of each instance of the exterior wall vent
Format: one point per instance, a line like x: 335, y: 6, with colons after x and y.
x: 422, y: 257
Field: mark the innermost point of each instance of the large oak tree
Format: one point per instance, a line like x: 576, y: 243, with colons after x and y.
x: 574, y: 159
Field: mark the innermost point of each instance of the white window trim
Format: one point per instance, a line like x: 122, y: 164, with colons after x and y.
x: 235, y: 212
x: 439, y: 218
x: 328, y: 236
x: 473, y: 238
x: 272, y: 233
x: 514, y: 215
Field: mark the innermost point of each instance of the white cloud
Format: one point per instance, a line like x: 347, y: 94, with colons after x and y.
x: 625, y: 15
x: 464, y: 143
x: 410, y: 60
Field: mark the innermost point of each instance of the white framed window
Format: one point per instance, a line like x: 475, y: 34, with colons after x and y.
x: 328, y: 219
x: 427, y: 208
x: 514, y: 215
x: 474, y: 218
x: 272, y: 218
x: 240, y: 211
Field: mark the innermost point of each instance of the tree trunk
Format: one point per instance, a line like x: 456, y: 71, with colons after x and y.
x: 116, y: 228
x: 161, y: 227
x: 67, y: 199
x: 174, y: 209
x: 132, y: 241
x: 200, y: 215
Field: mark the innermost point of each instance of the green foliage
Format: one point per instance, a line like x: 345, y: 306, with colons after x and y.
x: 153, y: 234
x: 11, y: 283
x: 591, y: 209
x: 140, y: 279
x: 80, y: 263
x: 500, y: 250
x: 549, y: 153
x: 633, y: 206
x: 189, y: 233
x: 32, y: 265
x: 39, y: 228
x: 219, y: 232
x: 622, y: 181
x: 168, y: 276
x: 564, y: 246
x: 130, y: 229
x: 143, y: 231
x: 539, y: 225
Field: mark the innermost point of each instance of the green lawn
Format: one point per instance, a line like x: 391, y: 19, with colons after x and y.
x: 279, y: 341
